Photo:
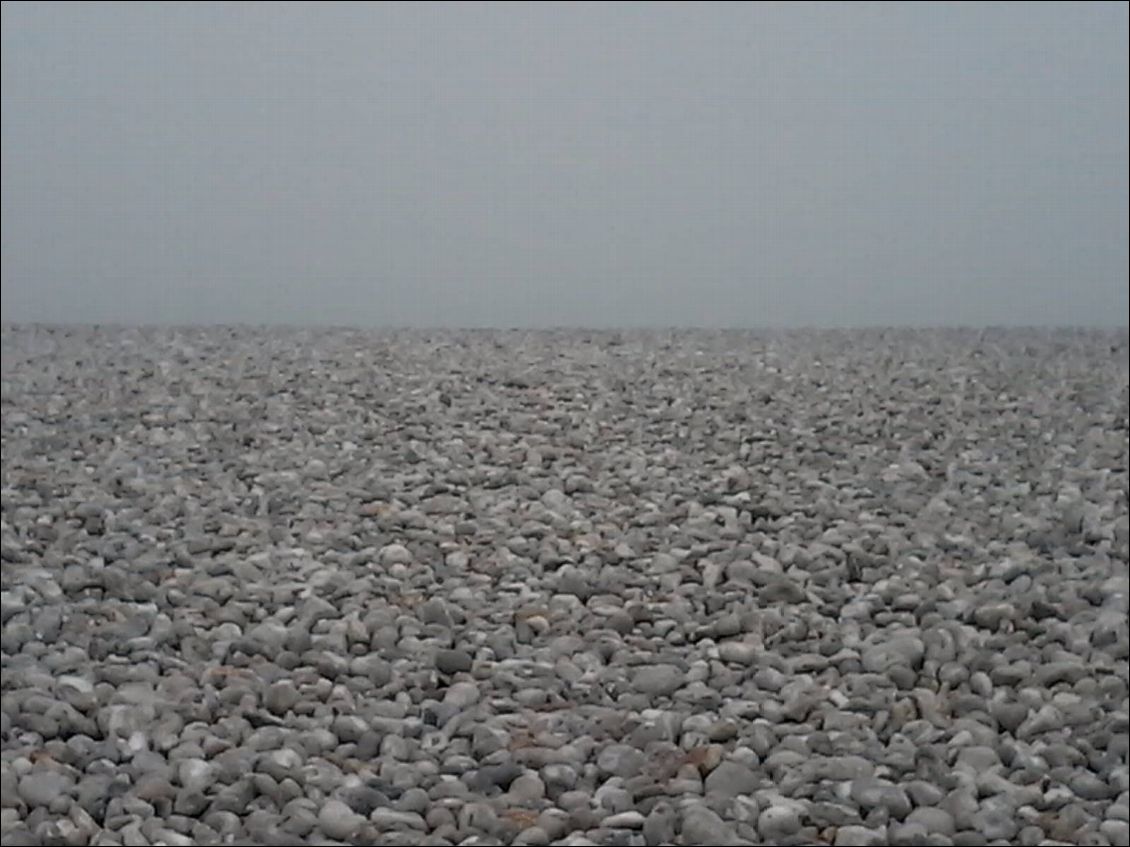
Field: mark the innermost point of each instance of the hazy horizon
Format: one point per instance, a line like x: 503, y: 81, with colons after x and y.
x: 586, y: 165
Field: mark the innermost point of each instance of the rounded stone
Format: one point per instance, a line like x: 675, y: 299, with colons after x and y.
x: 933, y: 819
x: 338, y: 821
x: 778, y: 822
x: 658, y: 680
x: 394, y: 554
x: 453, y: 661
x: 527, y: 788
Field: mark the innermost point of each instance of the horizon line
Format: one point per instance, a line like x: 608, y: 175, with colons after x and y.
x: 393, y: 327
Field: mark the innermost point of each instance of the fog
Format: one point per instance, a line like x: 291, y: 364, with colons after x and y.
x: 560, y: 165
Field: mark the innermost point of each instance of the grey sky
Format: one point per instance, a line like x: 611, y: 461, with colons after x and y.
x: 620, y: 164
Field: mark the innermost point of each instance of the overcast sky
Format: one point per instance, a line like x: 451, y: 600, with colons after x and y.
x: 539, y: 165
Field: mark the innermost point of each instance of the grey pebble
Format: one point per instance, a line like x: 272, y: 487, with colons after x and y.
x: 933, y: 820
x: 336, y: 820
x: 385, y: 819
x: 657, y: 680
x: 859, y: 836
x: 453, y: 661
x: 659, y: 825
x: 42, y: 788
x: 778, y: 822
x: 702, y: 825
x: 730, y: 779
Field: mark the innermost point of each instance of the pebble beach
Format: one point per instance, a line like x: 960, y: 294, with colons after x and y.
x: 340, y: 587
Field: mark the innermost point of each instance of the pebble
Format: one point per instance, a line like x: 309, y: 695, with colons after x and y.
x: 730, y: 779
x: 281, y: 697
x: 778, y: 822
x: 738, y: 652
x: 1116, y: 831
x: 453, y: 661
x: 659, y: 825
x: 620, y: 760
x: 630, y: 819
x: 859, y: 836
x: 42, y: 788
x: 933, y: 820
x: 658, y: 680
x: 338, y: 821
x: 702, y: 825
x: 385, y: 819
x: 394, y: 554
x: 527, y: 789
x: 869, y: 794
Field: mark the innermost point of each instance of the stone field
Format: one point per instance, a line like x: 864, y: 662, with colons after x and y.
x: 297, y: 586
